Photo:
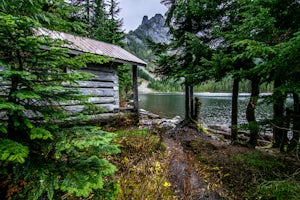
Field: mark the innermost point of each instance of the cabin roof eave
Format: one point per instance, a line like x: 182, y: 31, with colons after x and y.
x: 79, y: 45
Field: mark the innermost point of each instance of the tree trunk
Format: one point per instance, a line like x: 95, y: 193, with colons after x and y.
x: 250, y: 112
x: 192, y: 102
x: 296, y: 124
x: 189, y: 115
x: 234, y: 110
x: 88, y: 11
x: 197, y: 107
x: 188, y: 102
x: 278, y: 116
x: 135, y: 93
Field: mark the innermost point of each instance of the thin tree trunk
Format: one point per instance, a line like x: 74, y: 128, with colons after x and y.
x: 197, y: 107
x: 278, y: 116
x: 296, y: 124
x: 188, y: 118
x: 250, y: 112
x: 88, y: 11
x: 234, y: 110
x: 135, y: 93
x: 188, y: 102
x: 192, y: 102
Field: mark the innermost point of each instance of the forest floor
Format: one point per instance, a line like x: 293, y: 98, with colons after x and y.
x: 185, y: 163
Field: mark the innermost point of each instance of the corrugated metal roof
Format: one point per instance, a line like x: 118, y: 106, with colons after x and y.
x: 87, y: 45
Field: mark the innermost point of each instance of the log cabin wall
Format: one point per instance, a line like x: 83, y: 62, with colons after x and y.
x: 103, y: 87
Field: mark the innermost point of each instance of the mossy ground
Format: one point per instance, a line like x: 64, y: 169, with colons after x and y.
x: 143, y: 166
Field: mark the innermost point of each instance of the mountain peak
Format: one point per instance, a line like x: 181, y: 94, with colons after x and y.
x: 145, y: 19
x: 151, y: 29
x: 158, y: 15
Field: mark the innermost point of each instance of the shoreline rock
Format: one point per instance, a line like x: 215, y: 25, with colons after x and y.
x: 149, y: 120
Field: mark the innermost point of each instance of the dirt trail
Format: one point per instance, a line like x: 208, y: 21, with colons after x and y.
x: 186, y: 181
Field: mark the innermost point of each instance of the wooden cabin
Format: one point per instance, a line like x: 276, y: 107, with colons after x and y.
x: 104, y: 87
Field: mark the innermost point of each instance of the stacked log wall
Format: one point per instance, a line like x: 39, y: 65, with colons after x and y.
x: 103, y: 89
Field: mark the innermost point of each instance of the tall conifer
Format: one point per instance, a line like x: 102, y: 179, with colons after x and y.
x: 42, y: 155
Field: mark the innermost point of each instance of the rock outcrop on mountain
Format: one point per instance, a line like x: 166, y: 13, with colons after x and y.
x: 151, y: 29
x: 154, y: 29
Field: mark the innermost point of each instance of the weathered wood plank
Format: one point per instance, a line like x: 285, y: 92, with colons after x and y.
x: 102, y: 76
x: 94, y: 100
x: 103, y: 68
x: 92, y: 84
x: 96, y: 84
x: 102, y: 100
x: 4, y: 90
x: 78, y: 108
x: 4, y: 86
x: 98, y: 92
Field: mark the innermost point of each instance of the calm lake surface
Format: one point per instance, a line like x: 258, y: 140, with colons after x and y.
x: 215, y: 109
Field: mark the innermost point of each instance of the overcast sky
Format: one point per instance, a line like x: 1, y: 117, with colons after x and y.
x: 133, y: 11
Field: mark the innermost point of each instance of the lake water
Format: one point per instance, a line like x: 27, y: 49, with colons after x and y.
x: 215, y: 109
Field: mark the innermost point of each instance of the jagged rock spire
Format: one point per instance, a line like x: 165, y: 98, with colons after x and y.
x: 145, y: 19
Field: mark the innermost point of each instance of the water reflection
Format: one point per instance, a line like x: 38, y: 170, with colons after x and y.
x: 215, y: 109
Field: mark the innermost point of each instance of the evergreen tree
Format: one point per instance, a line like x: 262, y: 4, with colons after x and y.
x: 255, y: 25
x: 55, y: 15
x: 286, y: 14
x: 94, y: 14
x: 99, y: 20
x: 243, y: 22
x: 102, y: 18
x: 251, y: 34
x: 250, y: 37
x: 42, y: 155
x: 115, y: 33
x: 190, y: 22
x: 267, y: 24
x: 287, y: 63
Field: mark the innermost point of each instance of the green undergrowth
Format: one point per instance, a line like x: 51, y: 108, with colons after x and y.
x: 142, y: 166
x: 247, y: 174
x: 271, y: 177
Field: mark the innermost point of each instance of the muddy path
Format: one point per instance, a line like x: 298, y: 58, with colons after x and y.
x: 186, y: 181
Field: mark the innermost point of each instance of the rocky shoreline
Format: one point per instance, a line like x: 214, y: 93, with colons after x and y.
x: 150, y: 120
